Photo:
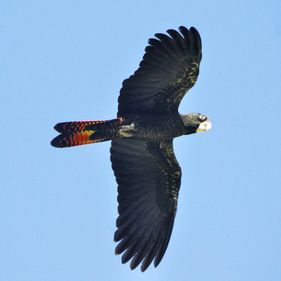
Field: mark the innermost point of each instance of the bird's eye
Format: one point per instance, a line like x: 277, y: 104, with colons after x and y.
x: 202, y: 117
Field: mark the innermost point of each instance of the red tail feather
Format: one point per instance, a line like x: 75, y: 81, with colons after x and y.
x: 85, y: 132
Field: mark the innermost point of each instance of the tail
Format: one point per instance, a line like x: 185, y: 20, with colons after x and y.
x: 85, y: 132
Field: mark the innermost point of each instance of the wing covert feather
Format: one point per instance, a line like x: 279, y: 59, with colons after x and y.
x: 169, y: 68
x: 148, y: 177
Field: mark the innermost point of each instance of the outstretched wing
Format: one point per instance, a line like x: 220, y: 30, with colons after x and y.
x: 169, y: 68
x: 148, y: 177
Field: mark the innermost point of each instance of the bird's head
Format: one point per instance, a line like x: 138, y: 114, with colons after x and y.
x: 196, y: 122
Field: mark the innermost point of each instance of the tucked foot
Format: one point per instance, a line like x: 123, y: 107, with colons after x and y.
x: 127, y: 130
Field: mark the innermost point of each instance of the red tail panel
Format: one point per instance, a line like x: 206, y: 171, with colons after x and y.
x: 85, y: 132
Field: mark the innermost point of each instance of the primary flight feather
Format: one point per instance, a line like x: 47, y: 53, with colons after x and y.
x: 146, y: 169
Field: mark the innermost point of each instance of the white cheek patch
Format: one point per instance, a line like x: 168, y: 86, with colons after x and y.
x: 204, y: 126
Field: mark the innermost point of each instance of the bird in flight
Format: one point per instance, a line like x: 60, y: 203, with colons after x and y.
x: 142, y: 156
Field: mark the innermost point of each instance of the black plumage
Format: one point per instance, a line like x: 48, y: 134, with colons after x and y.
x: 169, y: 68
x: 148, y: 177
x: 146, y: 169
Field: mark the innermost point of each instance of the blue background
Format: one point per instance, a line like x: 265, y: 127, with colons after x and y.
x: 65, y: 61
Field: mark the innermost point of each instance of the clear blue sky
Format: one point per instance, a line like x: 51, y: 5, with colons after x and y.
x: 66, y: 60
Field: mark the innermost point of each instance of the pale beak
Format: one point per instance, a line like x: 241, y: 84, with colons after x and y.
x: 204, y: 126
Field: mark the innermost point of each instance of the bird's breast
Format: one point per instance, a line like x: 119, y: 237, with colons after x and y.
x: 157, y: 127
